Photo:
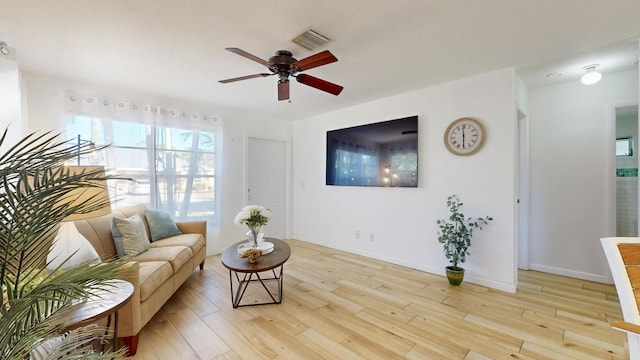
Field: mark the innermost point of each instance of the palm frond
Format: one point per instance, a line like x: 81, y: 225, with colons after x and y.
x: 35, y: 190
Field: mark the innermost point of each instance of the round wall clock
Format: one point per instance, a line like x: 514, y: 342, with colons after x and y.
x: 464, y: 136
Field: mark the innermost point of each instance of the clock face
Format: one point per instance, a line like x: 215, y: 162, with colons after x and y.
x: 464, y: 136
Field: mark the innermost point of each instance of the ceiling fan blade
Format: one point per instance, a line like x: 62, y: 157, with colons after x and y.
x: 248, y: 56
x: 244, y: 78
x: 319, y: 59
x: 319, y: 84
x: 283, y: 90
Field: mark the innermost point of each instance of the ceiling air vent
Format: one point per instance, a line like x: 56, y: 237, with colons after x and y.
x: 311, y: 39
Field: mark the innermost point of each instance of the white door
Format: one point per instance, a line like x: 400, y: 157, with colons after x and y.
x: 266, y: 177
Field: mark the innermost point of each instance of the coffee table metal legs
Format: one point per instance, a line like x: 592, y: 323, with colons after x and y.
x: 247, y: 278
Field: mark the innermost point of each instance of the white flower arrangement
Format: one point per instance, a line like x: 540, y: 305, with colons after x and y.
x: 255, y: 217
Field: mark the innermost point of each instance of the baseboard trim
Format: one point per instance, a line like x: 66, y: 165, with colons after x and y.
x: 571, y: 273
x: 478, y: 280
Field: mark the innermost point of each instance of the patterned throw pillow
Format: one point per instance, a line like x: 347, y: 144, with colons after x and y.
x: 161, y: 225
x: 133, y: 235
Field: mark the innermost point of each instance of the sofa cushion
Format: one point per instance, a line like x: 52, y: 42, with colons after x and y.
x: 177, y: 256
x: 132, y: 235
x: 152, y: 275
x: 161, y: 225
x: 194, y: 241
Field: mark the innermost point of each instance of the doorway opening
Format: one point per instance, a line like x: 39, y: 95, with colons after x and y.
x: 626, y: 161
x: 522, y: 193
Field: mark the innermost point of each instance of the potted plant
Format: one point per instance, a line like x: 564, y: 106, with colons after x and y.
x: 32, y: 185
x: 455, y: 234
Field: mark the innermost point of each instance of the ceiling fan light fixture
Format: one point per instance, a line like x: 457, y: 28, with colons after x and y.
x: 591, y: 75
x: 285, y: 65
x: 311, y: 39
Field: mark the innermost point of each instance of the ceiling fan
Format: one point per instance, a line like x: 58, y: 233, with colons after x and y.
x: 284, y: 65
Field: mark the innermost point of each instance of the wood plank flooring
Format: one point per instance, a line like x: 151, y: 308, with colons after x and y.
x: 338, y: 305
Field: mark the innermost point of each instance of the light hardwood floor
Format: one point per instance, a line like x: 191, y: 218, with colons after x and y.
x: 342, y: 306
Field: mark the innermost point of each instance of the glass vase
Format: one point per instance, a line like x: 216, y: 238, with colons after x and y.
x: 255, y: 237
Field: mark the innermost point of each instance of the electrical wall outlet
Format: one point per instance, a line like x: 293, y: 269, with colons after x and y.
x: 357, y: 234
x: 372, y: 238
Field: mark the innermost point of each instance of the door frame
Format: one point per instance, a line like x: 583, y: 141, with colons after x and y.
x: 610, y: 153
x: 288, y: 175
x: 522, y: 192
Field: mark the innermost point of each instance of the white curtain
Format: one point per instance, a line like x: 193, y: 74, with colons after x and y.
x: 140, y: 112
x: 169, y: 152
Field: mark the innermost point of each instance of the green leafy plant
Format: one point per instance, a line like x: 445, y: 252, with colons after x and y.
x: 455, y: 232
x: 33, y: 184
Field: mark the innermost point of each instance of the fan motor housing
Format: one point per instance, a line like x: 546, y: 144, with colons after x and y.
x: 282, y: 59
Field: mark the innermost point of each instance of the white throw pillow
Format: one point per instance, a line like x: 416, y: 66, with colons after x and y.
x: 67, y: 241
x: 134, y: 235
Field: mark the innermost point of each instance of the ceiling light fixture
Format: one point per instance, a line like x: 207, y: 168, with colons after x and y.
x: 554, y: 75
x: 591, y: 76
x: 4, y: 48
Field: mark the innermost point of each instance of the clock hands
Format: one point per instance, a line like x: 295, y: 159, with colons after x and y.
x: 463, y: 143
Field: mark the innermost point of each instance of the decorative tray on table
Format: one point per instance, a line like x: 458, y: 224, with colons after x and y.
x: 265, y: 246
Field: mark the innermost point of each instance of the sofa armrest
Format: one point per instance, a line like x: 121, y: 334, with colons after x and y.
x: 129, y: 323
x: 193, y: 227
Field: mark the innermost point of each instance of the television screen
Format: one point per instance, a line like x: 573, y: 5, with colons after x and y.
x: 379, y: 154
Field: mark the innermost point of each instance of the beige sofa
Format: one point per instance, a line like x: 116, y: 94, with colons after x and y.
x: 155, y: 274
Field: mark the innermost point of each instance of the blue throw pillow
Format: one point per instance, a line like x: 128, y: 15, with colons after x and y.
x: 117, y: 238
x: 161, y: 225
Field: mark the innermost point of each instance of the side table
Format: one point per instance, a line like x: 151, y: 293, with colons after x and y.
x: 269, y: 262
x: 104, y: 303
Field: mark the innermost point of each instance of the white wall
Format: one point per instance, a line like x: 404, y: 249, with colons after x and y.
x: 45, y: 108
x: 403, y: 220
x: 573, y: 172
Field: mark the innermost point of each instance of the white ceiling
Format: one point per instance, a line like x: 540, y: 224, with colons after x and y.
x: 175, y: 48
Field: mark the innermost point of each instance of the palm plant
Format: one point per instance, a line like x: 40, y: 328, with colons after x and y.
x: 33, y: 184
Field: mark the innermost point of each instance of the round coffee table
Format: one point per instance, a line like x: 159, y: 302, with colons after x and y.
x: 269, y: 262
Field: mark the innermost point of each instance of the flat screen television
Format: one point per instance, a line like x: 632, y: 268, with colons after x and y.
x: 380, y: 154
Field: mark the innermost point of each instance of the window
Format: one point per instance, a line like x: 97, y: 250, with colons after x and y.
x: 172, y: 168
x: 624, y: 146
